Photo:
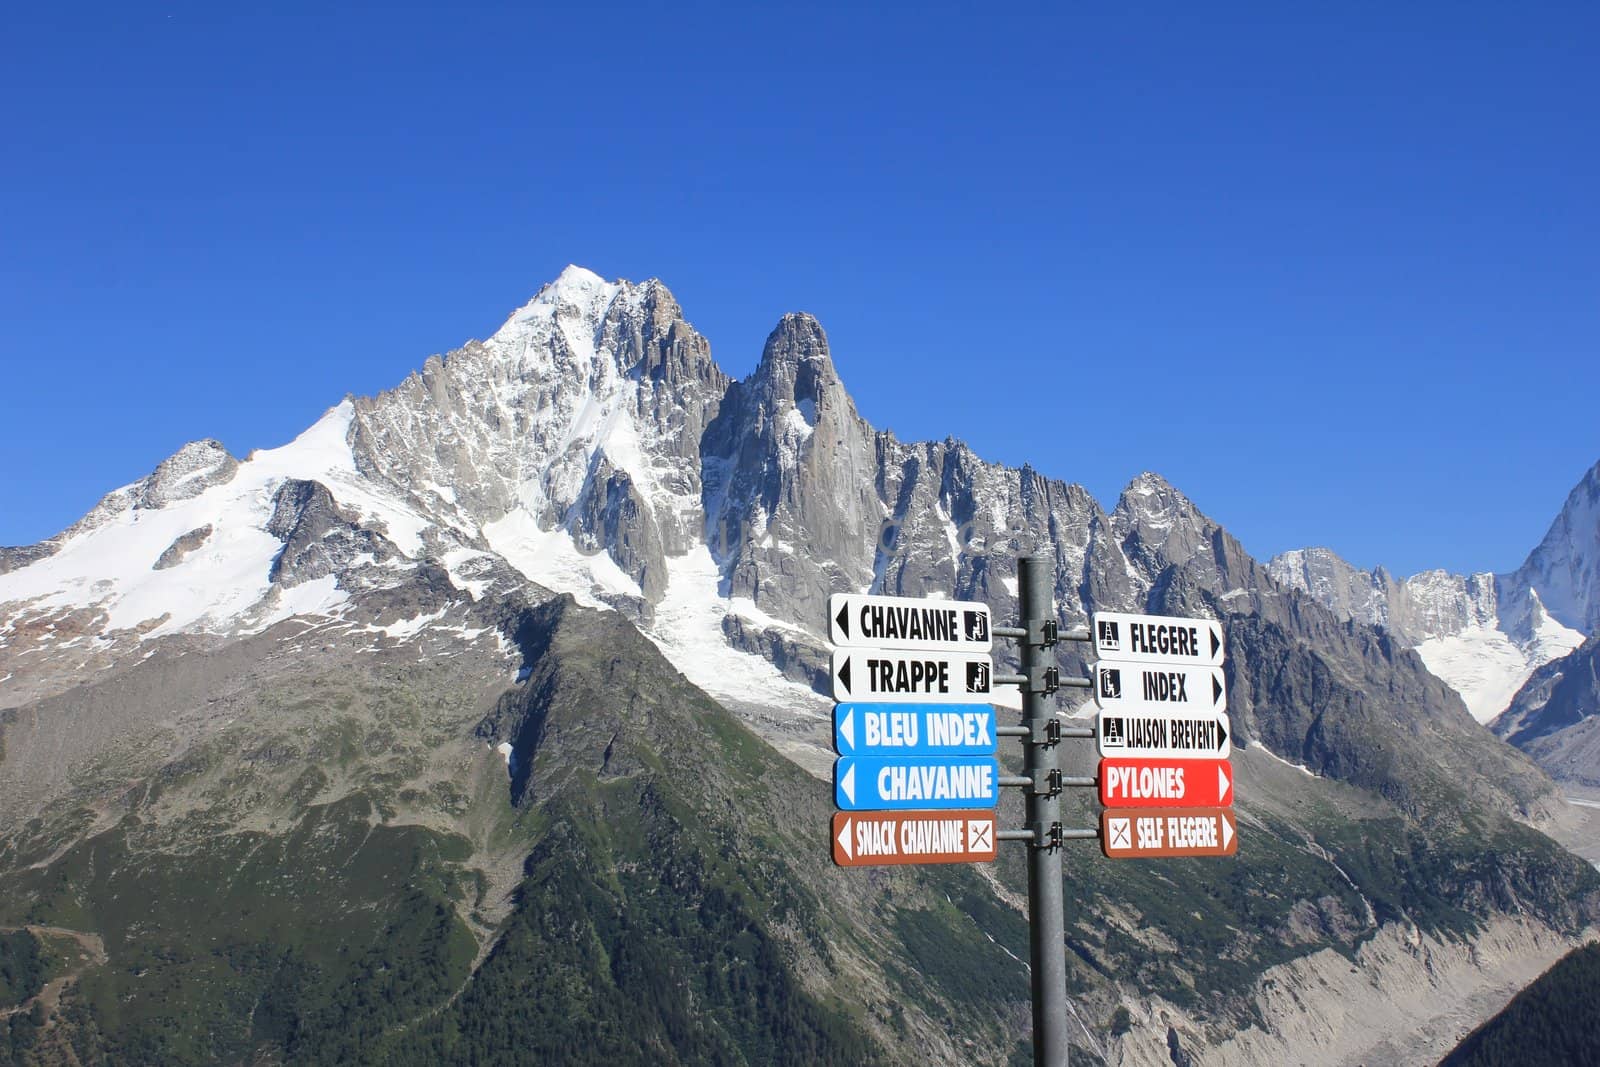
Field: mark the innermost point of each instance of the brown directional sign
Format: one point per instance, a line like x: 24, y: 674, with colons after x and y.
x: 871, y: 838
x: 1127, y: 833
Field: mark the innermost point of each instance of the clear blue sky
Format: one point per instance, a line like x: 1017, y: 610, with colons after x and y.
x: 1336, y: 275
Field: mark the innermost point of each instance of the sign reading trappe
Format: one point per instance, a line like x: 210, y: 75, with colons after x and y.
x: 870, y: 839
x: 913, y: 730
x: 907, y: 622
x: 1166, y: 783
x: 1141, y: 834
x: 862, y: 783
x: 902, y: 677
x: 1162, y: 735
x: 1123, y: 686
x: 1156, y: 638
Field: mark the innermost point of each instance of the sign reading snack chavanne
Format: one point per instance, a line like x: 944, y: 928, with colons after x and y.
x: 856, y: 620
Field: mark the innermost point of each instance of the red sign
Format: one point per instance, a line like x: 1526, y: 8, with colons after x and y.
x: 1133, y: 834
x: 1166, y: 783
x: 872, y: 838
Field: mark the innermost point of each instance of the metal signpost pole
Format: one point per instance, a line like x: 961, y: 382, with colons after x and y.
x: 1047, y: 958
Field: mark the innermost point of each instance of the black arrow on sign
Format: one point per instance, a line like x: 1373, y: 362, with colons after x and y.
x: 1215, y: 644
x: 1216, y: 689
x: 843, y: 619
x: 1222, y: 735
x: 844, y: 673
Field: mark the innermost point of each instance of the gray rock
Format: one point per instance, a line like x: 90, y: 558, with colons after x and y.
x: 181, y: 547
x: 318, y: 538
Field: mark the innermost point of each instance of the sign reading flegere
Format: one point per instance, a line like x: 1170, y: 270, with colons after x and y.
x: 902, y: 677
x: 1125, y: 686
x: 907, y: 622
x: 1163, y: 735
x: 913, y: 730
x: 1128, y: 834
x: 1166, y: 783
x: 869, y: 839
x: 862, y: 783
x: 1156, y: 638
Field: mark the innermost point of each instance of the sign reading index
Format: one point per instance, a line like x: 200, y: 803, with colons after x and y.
x: 856, y: 620
x: 902, y: 677
x: 1123, y: 686
x: 1156, y: 639
x: 913, y: 730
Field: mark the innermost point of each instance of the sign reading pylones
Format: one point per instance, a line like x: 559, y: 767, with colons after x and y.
x: 1166, y: 783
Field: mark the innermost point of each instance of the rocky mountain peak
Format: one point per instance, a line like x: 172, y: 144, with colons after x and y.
x: 1157, y: 524
x: 796, y: 368
x: 1565, y: 568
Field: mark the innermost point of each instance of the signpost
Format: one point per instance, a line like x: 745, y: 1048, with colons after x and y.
x: 1156, y: 638
x: 1166, y: 783
x: 913, y: 730
x: 906, y: 677
x: 922, y: 623
x: 917, y: 779
x: 1133, y: 834
x: 897, y: 783
x: 870, y: 839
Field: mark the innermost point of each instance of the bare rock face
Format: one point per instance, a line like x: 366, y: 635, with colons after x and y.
x: 18, y: 556
x: 181, y: 547
x: 1555, y: 717
x: 788, y: 463
x: 613, y: 517
x: 318, y: 538
x: 187, y: 473
x: 1564, y: 570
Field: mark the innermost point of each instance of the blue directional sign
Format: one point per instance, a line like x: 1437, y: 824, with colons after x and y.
x: 913, y: 730
x: 894, y: 783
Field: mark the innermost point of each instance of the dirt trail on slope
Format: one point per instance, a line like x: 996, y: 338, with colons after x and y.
x: 91, y: 953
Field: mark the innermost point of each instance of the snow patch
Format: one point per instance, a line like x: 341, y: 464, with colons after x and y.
x: 688, y: 630
x: 1486, y: 667
x: 552, y: 559
x: 1257, y: 746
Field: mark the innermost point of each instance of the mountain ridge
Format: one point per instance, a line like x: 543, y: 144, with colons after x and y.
x: 592, y: 456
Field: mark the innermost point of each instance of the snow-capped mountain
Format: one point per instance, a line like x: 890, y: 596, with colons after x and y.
x: 1485, y: 634
x: 592, y: 446
x: 359, y: 626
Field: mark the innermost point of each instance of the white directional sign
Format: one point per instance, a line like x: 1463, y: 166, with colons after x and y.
x: 1163, y: 734
x: 1123, y: 686
x: 1156, y: 639
x: 907, y: 622
x: 892, y: 676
